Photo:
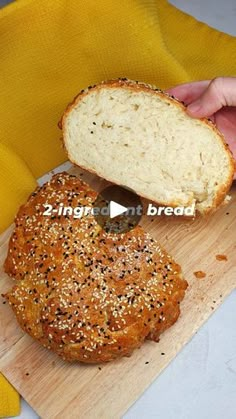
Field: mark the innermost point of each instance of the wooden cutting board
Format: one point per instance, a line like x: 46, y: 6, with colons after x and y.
x: 56, y: 389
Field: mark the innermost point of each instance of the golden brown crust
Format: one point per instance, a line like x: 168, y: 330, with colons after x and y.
x: 137, y: 86
x: 83, y: 293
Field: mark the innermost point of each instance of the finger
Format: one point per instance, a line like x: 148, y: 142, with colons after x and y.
x: 219, y: 93
x: 225, y: 122
x: 189, y: 92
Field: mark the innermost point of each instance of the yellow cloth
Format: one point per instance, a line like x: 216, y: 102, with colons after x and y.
x: 9, y: 399
x: 50, y: 49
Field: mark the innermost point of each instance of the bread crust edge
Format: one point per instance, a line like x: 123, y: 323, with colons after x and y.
x: 137, y: 86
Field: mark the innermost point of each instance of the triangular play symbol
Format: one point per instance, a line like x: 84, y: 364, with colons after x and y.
x: 116, y: 209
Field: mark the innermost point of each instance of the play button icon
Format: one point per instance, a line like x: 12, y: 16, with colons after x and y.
x: 117, y: 209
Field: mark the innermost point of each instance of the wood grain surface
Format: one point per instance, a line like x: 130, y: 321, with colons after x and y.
x: 56, y: 389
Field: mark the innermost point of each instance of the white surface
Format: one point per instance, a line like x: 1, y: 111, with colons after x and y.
x: 218, y: 14
x: 201, y: 381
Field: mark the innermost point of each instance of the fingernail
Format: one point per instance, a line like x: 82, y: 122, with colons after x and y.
x: 194, y: 107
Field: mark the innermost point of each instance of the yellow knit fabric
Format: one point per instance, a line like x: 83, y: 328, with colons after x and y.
x: 50, y: 49
x: 9, y: 399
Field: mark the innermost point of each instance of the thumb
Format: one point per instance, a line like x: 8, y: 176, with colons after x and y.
x: 220, y: 92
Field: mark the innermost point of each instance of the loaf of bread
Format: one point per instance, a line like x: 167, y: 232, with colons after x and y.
x: 137, y: 136
x: 85, y: 294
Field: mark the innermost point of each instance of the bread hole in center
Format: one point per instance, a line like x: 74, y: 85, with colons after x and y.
x: 201, y: 159
x: 106, y: 125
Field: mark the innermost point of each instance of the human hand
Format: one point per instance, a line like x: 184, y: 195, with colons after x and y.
x: 214, y: 99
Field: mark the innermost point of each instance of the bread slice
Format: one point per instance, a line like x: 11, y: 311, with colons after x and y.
x: 137, y: 136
